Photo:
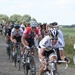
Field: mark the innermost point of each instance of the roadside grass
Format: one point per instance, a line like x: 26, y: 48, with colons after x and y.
x: 69, y: 37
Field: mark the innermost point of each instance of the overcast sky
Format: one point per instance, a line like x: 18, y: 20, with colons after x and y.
x: 44, y: 11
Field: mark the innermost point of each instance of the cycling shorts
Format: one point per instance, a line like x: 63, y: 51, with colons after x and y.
x: 18, y: 39
x: 48, y: 54
x: 30, y: 41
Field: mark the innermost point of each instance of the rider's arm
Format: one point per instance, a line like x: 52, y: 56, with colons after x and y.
x: 24, y: 42
x: 11, y: 37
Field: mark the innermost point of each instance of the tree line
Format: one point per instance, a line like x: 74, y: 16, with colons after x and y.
x: 15, y: 17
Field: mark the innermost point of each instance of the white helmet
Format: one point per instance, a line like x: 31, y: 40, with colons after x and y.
x: 33, y: 24
x: 53, y: 33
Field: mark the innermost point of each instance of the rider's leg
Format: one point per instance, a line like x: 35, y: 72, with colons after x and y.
x: 14, y: 46
x: 41, y: 70
x: 7, y: 39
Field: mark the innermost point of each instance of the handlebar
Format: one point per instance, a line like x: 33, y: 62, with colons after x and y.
x: 62, y: 61
x: 31, y: 48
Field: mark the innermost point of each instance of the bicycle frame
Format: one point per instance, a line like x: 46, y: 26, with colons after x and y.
x: 29, y: 61
x: 17, y: 56
x: 52, y: 70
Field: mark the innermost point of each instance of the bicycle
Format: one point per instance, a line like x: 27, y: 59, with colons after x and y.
x: 17, y: 56
x: 50, y: 67
x: 29, y: 61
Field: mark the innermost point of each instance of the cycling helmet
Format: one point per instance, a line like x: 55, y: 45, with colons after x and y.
x: 33, y: 24
x: 16, y: 26
x: 54, y: 23
x: 53, y: 33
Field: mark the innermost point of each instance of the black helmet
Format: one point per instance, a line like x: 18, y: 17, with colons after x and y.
x: 53, y: 33
x: 16, y: 26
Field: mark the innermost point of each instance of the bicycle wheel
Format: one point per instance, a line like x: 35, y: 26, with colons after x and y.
x: 19, y: 61
x: 8, y: 51
x: 54, y: 72
x: 25, y: 69
x: 18, y: 51
x: 32, y: 66
x: 15, y: 59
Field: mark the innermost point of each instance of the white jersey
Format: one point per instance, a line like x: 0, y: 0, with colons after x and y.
x: 45, y: 42
x: 19, y: 33
x: 61, y: 36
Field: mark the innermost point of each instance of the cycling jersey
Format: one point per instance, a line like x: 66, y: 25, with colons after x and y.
x: 46, y: 42
x: 28, y: 34
x: 17, y: 34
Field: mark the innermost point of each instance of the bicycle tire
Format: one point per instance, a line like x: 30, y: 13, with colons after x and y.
x: 19, y: 62
x: 54, y: 72
x: 25, y: 69
x: 19, y: 59
x: 32, y: 66
x: 15, y: 59
x: 8, y: 51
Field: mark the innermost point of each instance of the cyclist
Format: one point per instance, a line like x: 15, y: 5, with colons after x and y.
x: 53, y: 41
x: 29, y: 34
x: 16, y: 34
x: 7, y: 29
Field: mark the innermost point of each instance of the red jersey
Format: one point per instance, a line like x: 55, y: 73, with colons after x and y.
x: 27, y: 32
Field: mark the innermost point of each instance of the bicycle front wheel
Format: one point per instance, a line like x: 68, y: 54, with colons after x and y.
x: 32, y: 66
x: 54, y: 72
x: 25, y: 69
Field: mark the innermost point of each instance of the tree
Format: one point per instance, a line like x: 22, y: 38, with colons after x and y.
x: 3, y: 18
x: 16, y: 18
x: 26, y: 18
x: 33, y: 19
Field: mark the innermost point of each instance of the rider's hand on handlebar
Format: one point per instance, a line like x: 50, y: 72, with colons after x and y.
x: 67, y: 60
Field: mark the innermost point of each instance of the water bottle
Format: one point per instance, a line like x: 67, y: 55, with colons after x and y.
x: 74, y: 59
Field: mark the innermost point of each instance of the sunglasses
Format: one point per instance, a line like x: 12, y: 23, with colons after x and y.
x: 54, y: 39
x: 33, y: 27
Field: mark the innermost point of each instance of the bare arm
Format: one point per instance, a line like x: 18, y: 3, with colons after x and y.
x: 12, y: 37
x: 24, y: 42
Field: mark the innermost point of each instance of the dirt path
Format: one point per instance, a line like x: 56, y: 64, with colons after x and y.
x: 7, y: 68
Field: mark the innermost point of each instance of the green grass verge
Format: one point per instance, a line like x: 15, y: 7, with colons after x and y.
x: 69, y: 37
